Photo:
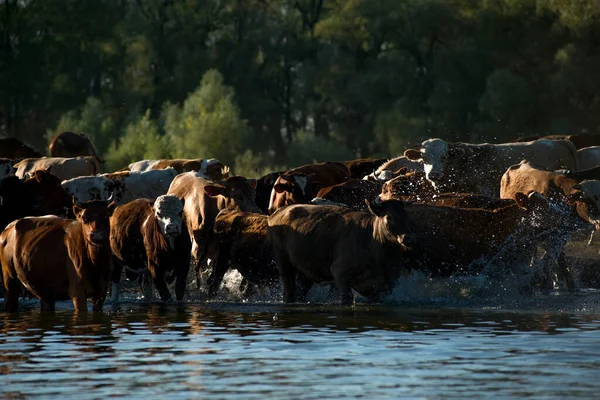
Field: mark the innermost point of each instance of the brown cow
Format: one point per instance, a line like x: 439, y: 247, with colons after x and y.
x: 57, y: 258
x: 210, y: 168
x: 241, y: 243
x: 203, y: 200
x: 449, y: 239
x: 15, y: 149
x: 357, y: 250
x: 301, y: 184
x: 363, y: 166
x: 394, y: 167
x: 40, y: 194
x: 413, y: 185
x: 352, y: 193
x: 144, y: 235
x: 70, y: 144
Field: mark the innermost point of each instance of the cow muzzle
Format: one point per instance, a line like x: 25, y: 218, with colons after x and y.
x: 172, y: 229
x: 96, y: 236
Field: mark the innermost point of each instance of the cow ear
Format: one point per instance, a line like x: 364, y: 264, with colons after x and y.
x: 375, y: 206
x: 252, y: 183
x: 215, y: 190
x: 521, y: 199
x: 39, y: 175
x: 280, y: 187
x: 413, y: 154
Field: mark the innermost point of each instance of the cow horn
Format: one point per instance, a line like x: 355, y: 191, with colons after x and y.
x: 111, y: 197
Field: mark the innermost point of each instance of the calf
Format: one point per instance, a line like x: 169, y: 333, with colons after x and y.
x: 394, y: 167
x: 301, y: 184
x: 57, y: 258
x: 241, y: 243
x: 357, y: 250
x: 412, y: 185
x: 203, y: 200
x: 210, y: 168
x: 144, y: 235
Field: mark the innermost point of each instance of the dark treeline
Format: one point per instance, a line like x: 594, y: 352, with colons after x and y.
x: 267, y: 83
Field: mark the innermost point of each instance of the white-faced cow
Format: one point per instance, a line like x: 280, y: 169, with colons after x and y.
x: 477, y: 168
x: 145, y: 235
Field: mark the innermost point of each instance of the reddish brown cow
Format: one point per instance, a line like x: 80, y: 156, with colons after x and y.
x: 409, y: 186
x: 449, y: 239
x: 301, y: 184
x: 70, y: 144
x: 352, y: 193
x: 357, y: 250
x: 15, y: 149
x: 241, y: 243
x: 203, y: 200
x: 145, y: 235
x: 363, y: 166
x: 57, y: 258
x: 42, y: 194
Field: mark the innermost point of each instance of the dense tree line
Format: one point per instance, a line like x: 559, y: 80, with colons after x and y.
x: 265, y: 83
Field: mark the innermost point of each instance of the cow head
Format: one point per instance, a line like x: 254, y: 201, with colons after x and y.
x: 235, y: 192
x: 168, y: 210
x: 45, y: 192
x: 411, y: 184
x: 214, y: 169
x: 94, y: 217
x: 392, y: 222
x: 292, y: 189
x: 435, y: 154
x: 586, y: 197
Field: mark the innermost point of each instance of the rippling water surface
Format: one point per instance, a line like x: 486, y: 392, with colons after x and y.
x: 542, y: 347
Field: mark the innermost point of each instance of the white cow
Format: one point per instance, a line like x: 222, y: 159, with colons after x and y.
x: 62, y: 168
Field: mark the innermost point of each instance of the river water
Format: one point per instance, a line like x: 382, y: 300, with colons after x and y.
x: 442, y: 346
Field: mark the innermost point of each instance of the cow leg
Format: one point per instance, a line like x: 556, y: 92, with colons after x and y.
x: 287, y: 272
x: 589, y: 243
x: 48, y: 304
x: 564, y: 273
x: 343, y: 284
x: 80, y: 303
x: 158, y: 277
x: 13, y: 288
x: 116, y: 280
x: 220, y: 266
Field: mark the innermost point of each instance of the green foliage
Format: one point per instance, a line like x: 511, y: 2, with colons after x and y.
x: 209, y: 125
x: 141, y: 141
x: 308, y: 148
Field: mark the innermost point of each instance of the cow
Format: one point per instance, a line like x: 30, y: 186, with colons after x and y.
x: 448, y: 240
x: 6, y: 168
x: 352, y: 193
x: 145, y: 235
x: 589, y: 157
x: 63, y: 168
x: 363, y: 166
x: 264, y: 186
x: 412, y: 185
x: 356, y: 250
x: 70, y: 144
x: 15, y: 149
x: 393, y: 168
x: 211, y: 168
x: 203, y: 200
x: 59, y: 259
x: 478, y: 168
x: 125, y: 186
x: 301, y: 184
x: 41, y: 194
x: 241, y: 243
x: 579, y: 140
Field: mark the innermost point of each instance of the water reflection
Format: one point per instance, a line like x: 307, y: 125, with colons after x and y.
x: 298, y: 351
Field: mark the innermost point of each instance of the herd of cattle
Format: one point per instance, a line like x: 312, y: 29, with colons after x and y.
x: 447, y: 209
